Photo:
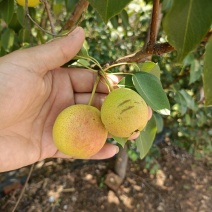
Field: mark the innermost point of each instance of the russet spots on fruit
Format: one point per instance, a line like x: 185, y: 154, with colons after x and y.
x: 124, y: 112
x: 78, y: 131
x: 128, y: 100
x: 128, y: 108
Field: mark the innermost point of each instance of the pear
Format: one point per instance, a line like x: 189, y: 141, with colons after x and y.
x: 79, y: 132
x: 124, y: 112
x: 31, y: 3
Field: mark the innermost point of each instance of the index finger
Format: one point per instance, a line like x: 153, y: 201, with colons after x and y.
x: 83, y: 80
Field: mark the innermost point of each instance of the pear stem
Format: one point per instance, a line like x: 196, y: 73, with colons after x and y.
x: 122, y: 73
x: 115, y: 65
x: 103, y: 74
x: 87, y: 67
x: 94, y: 90
x: 93, y: 60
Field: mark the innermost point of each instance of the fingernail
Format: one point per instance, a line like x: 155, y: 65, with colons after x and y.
x: 117, y: 149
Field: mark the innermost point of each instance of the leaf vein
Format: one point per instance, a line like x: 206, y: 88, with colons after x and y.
x: 187, y: 23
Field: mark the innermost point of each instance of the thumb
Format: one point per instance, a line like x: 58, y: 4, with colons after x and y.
x: 43, y: 58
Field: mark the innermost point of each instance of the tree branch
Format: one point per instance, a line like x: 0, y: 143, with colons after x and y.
x: 80, y: 8
x: 47, y: 8
x: 206, y: 38
x: 157, y: 49
x: 159, y: 19
x: 154, y: 23
x: 151, y: 47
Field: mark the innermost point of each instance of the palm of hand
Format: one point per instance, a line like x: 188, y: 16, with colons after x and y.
x: 28, y: 111
x: 28, y: 116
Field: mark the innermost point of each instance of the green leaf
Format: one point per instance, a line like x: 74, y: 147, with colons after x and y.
x: 133, y: 155
x: 109, y: 8
x: 150, y: 89
x: 83, y: 53
x: 83, y: 62
x: 125, y: 18
x: 70, y: 5
x: 57, y: 8
x: 181, y: 103
x: 159, y: 122
x: 24, y: 36
x: 188, y: 59
x: 151, y: 68
x: 187, y: 23
x: 189, y: 100
x: 114, y: 22
x: 166, y: 4
x: 127, y: 82
x: 8, y: 38
x: 195, y: 71
x: 21, y: 15
x: 121, y: 141
x: 146, y: 138
x: 207, y: 74
x: 14, y: 23
x: 7, y: 10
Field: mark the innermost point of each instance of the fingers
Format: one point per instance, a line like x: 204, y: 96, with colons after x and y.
x: 83, y: 98
x: 134, y: 136
x: 150, y: 113
x: 83, y: 80
x: 107, y: 151
x: 54, y: 54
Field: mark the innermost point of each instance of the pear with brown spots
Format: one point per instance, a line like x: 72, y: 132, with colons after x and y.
x: 124, y: 112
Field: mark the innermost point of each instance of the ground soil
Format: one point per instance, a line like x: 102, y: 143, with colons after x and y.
x: 181, y: 184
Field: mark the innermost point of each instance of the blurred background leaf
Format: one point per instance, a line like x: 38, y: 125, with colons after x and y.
x: 207, y: 75
x: 109, y: 8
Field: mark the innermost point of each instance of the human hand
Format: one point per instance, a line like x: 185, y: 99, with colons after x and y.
x: 33, y: 91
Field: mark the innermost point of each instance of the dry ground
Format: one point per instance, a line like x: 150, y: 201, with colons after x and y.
x: 181, y: 184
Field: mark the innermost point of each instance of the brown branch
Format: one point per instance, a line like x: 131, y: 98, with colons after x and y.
x: 34, y: 22
x: 154, y: 22
x: 208, y: 35
x: 81, y: 6
x: 157, y: 49
x: 159, y: 19
x: 151, y: 47
x: 47, y: 8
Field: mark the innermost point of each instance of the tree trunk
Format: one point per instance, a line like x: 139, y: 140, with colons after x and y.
x: 121, y: 163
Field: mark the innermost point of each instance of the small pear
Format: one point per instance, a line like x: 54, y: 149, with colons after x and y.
x: 124, y: 112
x: 31, y: 3
x: 79, y: 132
